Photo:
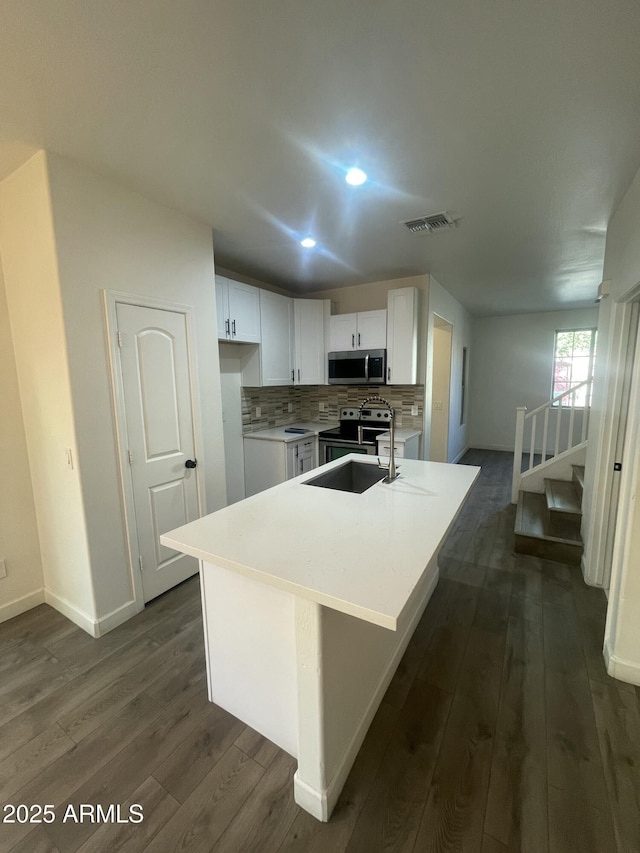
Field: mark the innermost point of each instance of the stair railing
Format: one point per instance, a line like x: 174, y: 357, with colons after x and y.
x: 527, y: 429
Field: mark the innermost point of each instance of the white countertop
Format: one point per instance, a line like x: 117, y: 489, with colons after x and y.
x: 279, y: 434
x: 402, y: 434
x: 361, y: 554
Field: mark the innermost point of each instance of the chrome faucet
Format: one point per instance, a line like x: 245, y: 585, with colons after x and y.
x: 391, y: 468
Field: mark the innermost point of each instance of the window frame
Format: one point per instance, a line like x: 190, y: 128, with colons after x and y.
x: 592, y: 355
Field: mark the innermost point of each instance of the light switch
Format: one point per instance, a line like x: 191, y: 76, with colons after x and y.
x: 414, y: 411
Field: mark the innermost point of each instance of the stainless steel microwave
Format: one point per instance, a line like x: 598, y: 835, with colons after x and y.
x: 358, y: 367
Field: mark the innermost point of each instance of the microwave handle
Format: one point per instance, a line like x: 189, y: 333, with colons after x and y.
x: 366, y: 367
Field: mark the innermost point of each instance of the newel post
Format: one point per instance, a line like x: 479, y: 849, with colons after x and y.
x: 517, y: 453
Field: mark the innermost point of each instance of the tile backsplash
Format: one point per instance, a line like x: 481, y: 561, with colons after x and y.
x: 305, y: 400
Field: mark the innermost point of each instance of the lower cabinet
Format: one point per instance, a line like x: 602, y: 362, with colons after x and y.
x: 404, y: 448
x: 268, y: 463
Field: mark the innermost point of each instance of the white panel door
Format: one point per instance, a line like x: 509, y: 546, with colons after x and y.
x: 342, y: 332
x: 372, y: 329
x: 276, y: 350
x: 310, y: 353
x: 244, y: 312
x: 158, y: 410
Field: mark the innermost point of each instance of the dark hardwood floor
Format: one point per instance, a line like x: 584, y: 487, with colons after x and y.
x: 500, y: 732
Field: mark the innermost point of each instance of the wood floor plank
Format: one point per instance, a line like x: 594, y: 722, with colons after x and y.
x: 155, y: 737
x: 516, y: 811
x: 618, y: 724
x: 262, y: 823
x: 157, y: 807
x: 453, y: 818
x: 30, y: 760
x: 575, y: 825
x: 256, y: 746
x: 199, y: 822
x: 573, y: 752
x: 62, y: 777
x: 391, y: 814
x: 199, y: 752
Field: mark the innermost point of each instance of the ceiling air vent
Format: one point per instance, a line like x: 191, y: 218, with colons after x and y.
x: 434, y: 222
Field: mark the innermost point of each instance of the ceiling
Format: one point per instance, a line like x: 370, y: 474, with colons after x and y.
x: 521, y: 119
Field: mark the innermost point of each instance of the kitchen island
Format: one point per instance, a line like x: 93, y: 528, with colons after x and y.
x: 310, y: 596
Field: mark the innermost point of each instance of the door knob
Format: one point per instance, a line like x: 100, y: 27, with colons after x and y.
x: 191, y: 463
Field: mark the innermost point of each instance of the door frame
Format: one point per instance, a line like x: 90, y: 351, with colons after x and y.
x: 110, y: 301
x: 594, y: 570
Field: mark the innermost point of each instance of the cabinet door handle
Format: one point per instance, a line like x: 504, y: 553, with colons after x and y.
x: 353, y: 341
x: 298, y: 374
x: 233, y: 327
x: 293, y: 376
x: 226, y: 328
x: 358, y: 339
x: 388, y: 374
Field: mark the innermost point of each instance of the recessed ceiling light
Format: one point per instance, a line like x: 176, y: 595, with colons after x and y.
x: 356, y: 177
x: 308, y: 242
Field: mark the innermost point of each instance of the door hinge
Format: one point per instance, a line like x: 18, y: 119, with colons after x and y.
x: 130, y: 455
x: 140, y: 562
x: 119, y: 336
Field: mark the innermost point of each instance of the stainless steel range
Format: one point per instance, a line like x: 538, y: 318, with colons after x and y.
x: 357, y: 433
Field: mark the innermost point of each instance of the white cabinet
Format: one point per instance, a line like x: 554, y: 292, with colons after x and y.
x: 302, y: 456
x: 268, y: 463
x: 276, y: 347
x: 364, y: 330
x: 238, y: 308
x: 310, y: 342
x: 404, y: 448
x: 402, y: 336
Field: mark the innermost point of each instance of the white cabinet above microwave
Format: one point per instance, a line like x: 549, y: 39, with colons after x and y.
x: 365, y: 330
x: 238, y: 308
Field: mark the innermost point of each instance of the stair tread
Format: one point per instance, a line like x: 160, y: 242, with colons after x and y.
x: 561, y: 496
x: 531, y: 520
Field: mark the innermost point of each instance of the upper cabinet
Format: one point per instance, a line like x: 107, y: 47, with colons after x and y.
x: 276, y: 348
x: 402, y: 336
x: 310, y: 346
x: 365, y: 330
x: 238, y: 307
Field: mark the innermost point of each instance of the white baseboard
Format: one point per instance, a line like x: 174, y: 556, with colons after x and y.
x: 623, y: 670
x: 503, y: 447
x: 78, y: 617
x: 459, y: 456
x: 22, y: 604
x: 107, y: 623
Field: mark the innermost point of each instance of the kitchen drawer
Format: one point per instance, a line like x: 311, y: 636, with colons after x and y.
x: 385, y: 446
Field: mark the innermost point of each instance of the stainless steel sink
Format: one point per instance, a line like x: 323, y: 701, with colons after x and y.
x: 354, y: 477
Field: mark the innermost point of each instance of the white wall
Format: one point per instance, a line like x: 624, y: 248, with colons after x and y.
x: 445, y: 306
x: 108, y: 237
x: 512, y: 366
x: 23, y: 586
x: 622, y: 268
x: 35, y: 310
x: 67, y: 234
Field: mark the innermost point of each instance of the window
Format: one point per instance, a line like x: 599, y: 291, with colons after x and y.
x: 573, y: 363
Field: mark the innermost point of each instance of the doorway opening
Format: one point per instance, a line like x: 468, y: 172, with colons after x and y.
x: 441, y: 389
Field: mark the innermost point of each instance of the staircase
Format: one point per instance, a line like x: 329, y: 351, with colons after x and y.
x: 548, y: 525
x: 548, y: 492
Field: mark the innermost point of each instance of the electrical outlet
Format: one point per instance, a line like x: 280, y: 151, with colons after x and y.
x: 258, y: 412
x: 437, y: 405
x: 3, y: 568
x: 414, y: 411
x: 323, y: 407
x: 289, y: 407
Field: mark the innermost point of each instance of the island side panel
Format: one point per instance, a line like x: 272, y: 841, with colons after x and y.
x: 251, y: 653
x: 344, y: 668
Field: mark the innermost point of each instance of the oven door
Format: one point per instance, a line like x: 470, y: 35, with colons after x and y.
x: 330, y: 450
